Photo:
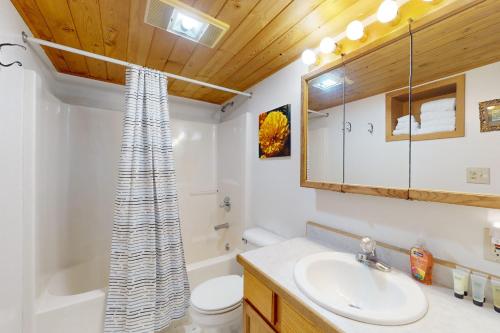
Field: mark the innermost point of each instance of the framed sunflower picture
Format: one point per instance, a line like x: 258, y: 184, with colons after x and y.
x: 275, y: 132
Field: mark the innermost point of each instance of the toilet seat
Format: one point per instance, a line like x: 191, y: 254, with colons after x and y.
x: 218, y: 295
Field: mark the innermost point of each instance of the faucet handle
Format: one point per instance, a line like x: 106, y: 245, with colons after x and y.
x: 368, y: 245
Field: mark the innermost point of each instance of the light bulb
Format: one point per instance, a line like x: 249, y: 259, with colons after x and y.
x: 387, y: 11
x: 188, y: 23
x: 327, y: 45
x: 309, y: 57
x: 355, y: 30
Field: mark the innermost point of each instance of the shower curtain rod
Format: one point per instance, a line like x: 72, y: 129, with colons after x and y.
x: 29, y: 39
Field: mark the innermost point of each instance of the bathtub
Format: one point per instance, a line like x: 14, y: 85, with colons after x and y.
x: 74, y: 298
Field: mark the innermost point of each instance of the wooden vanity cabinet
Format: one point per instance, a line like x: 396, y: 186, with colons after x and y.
x: 265, y: 311
x: 253, y: 322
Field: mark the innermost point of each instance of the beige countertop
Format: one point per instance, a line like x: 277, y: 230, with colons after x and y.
x: 445, y: 314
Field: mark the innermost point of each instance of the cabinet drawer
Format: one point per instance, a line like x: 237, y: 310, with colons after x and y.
x: 260, y: 296
x: 252, y: 321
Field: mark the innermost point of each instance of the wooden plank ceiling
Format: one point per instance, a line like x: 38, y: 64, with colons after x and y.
x: 264, y: 36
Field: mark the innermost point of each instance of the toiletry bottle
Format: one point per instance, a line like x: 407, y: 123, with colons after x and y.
x: 467, y: 279
x: 460, y: 277
x: 421, y: 262
x: 478, y: 285
x: 495, y: 285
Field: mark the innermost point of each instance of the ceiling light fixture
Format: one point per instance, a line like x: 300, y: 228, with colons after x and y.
x: 327, y: 83
x: 186, y: 26
x: 355, y: 30
x: 309, y: 57
x: 387, y: 11
x: 185, y: 21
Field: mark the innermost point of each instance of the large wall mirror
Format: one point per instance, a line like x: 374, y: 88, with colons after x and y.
x: 325, y: 119
x: 456, y: 67
x: 370, y: 159
x: 415, y: 118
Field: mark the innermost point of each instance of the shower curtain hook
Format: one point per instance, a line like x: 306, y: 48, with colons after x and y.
x: 15, y: 62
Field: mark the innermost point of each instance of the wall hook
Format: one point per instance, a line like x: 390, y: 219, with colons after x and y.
x: 370, y: 128
x: 15, y: 62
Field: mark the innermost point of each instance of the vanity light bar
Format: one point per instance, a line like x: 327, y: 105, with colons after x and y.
x: 310, y: 56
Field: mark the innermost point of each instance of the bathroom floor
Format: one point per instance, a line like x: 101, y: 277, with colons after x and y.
x: 186, y: 325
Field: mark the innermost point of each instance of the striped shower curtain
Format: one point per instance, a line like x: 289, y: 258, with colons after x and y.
x: 148, y: 285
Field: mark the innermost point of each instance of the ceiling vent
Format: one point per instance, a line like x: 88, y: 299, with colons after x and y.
x: 185, y: 21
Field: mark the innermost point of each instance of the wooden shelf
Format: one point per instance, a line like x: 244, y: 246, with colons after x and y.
x: 397, y: 106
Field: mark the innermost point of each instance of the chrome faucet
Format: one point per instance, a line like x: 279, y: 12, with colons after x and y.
x: 368, y: 256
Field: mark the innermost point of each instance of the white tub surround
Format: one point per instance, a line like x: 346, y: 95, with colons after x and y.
x: 446, y: 313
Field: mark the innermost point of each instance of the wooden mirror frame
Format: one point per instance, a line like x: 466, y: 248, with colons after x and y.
x: 449, y: 197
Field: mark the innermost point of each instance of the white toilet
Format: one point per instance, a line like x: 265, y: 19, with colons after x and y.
x: 216, y: 304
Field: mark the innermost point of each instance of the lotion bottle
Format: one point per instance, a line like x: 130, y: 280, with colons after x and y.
x: 495, y: 285
x: 478, y: 285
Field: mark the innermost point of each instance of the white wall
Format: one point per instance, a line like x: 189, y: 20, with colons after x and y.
x: 11, y: 200
x: 277, y: 202
x: 232, y: 155
x: 15, y: 174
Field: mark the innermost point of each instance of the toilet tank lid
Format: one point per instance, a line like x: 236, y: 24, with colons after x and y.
x: 261, y: 237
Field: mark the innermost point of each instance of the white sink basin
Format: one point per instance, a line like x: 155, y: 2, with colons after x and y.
x: 339, y: 283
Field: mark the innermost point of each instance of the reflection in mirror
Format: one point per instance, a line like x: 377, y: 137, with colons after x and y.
x: 324, y: 130
x: 372, y: 156
x: 461, y: 57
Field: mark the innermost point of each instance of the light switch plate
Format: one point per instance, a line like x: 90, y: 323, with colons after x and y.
x: 490, y: 253
x: 478, y: 175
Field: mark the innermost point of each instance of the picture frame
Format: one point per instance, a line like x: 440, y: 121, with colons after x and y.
x: 275, y: 132
x: 489, y: 114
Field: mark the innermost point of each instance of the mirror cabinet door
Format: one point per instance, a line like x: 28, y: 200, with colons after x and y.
x: 376, y: 144
x: 456, y: 103
x: 325, y: 117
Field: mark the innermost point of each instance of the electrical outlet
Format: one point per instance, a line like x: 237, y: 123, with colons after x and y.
x: 491, y: 253
x: 478, y: 175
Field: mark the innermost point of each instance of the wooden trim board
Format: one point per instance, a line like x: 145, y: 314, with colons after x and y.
x: 456, y: 198
x: 398, y: 193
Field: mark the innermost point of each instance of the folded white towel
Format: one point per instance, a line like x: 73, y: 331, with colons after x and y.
x: 434, y: 129
x: 437, y: 115
x: 400, y: 132
x: 444, y: 104
x: 406, y: 119
x: 438, y: 122
x: 407, y: 126
x: 407, y: 123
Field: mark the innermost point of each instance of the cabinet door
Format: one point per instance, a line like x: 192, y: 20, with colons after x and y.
x: 253, y: 322
x: 293, y: 322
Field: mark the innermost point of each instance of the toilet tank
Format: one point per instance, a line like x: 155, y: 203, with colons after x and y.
x: 257, y: 237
